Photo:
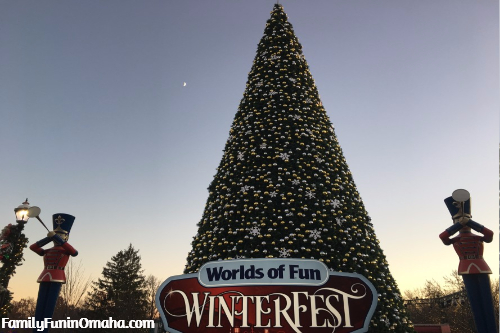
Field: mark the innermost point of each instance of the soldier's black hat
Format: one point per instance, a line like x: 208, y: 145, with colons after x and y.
x: 62, y: 222
x: 454, y: 206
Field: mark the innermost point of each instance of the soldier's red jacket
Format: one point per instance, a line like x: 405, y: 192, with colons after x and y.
x: 54, y: 260
x: 469, y: 248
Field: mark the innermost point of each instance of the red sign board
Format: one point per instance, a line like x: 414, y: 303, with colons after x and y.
x: 268, y: 296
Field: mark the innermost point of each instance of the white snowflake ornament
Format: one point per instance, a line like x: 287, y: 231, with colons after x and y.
x: 284, y: 253
x: 254, y: 231
x: 310, y: 194
x: 284, y: 156
x: 315, y: 234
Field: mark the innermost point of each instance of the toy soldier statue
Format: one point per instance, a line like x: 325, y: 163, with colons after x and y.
x: 54, y: 259
x: 472, y: 267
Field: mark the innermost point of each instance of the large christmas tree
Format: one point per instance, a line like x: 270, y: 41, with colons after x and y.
x: 283, y: 188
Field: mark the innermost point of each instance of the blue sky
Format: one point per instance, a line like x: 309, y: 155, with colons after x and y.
x: 96, y: 121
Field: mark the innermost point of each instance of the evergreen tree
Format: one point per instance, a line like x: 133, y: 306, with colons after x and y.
x: 120, y: 293
x: 283, y: 188
x: 12, y: 243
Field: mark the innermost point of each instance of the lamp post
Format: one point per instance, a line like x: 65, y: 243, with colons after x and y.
x: 12, y: 243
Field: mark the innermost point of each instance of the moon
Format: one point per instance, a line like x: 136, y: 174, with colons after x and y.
x: 184, y: 84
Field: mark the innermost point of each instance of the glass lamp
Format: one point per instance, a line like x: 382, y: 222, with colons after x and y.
x: 22, y: 212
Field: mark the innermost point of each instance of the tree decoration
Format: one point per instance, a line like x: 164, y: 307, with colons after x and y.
x: 283, y: 187
x: 12, y: 244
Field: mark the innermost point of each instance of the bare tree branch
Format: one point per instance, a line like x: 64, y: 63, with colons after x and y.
x: 152, y: 285
x: 73, y: 291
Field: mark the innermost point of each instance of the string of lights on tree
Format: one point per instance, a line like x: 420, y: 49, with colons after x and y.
x: 283, y: 188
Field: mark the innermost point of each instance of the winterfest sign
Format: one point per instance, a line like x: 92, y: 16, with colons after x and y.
x: 268, y: 296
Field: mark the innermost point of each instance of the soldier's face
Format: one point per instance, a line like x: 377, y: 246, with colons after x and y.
x: 63, y: 236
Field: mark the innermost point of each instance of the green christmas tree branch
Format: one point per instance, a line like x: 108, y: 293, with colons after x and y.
x: 12, y: 244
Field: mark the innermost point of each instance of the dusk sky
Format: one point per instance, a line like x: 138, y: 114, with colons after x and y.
x: 96, y: 120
